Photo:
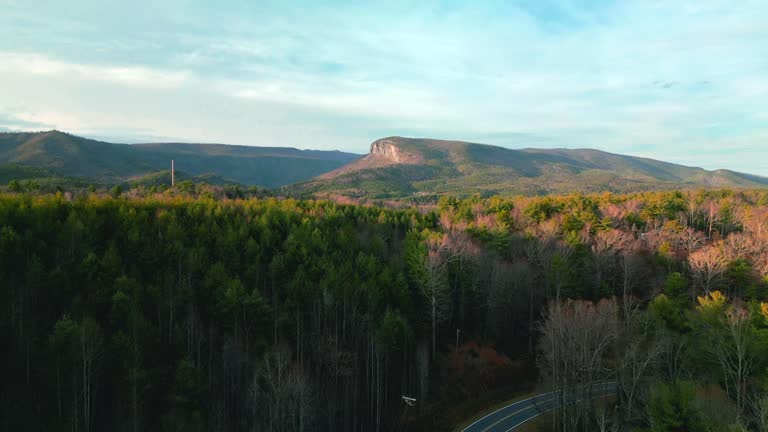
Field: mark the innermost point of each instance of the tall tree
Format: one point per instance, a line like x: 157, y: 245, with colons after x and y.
x: 708, y: 267
x: 576, y: 339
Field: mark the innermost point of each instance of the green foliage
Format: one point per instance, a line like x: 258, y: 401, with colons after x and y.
x: 740, y: 274
x: 187, y: 186
x: 116, y: 191
x: 393, y: 331
x: 14, y: 186
x: 542, y: 209
x: 185, y: 299
x: 63, y: 338
x: 415, y: 254
x: 176, y: 297
x: 676, y: 289
x: 448, y: 203
x: 664, y: 205
x: 635, y: 220
x: 186, y: 387
x: 672, y: 409
x: 667, y: 312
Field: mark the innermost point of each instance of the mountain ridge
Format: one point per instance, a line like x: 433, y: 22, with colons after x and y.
x: 394, y: 168
x: 399, y: 167
x: 71, y: 155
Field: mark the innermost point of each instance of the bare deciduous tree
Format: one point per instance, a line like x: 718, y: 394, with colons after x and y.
x: 509, y: 284
x: 435, y: 289
x: 739, y: 246
x: 691, y: 240
x: 606, y: 246
x: 575, y: 346
x: 733, y: 350
x: 711, y: 210
x: 459, y: 249
x: 656, y: 237
x: 756, y: 222
x: 631, y: 274
x: 708, y: 267
x: 760, y: 413
x: 639, y: 357
x: 281, y: 393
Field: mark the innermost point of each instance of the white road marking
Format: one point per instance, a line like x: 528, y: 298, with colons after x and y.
x: 514, y: 414
x: 604, y: 385
x: 503, y: 408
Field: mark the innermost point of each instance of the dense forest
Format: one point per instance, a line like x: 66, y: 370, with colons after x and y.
x: 187, y: 310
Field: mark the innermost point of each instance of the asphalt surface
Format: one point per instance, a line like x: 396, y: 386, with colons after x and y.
x: 515, y: 414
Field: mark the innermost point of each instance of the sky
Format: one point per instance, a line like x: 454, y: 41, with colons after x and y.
x: 678, y: 80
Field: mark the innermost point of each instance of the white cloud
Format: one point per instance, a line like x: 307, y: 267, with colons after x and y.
x: 138, y: 76
x: 277, y: 75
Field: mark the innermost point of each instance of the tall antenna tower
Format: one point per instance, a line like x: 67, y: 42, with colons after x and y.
x: 173, y: 175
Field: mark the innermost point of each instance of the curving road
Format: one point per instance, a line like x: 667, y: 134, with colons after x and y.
x: 515, y: 414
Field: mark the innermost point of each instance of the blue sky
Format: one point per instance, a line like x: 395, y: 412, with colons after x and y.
x: 682, y: 81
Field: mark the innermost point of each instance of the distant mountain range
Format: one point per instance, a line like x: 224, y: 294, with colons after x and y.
x: 58, y: 154
x: 398, y: 167
x: 395, y: 168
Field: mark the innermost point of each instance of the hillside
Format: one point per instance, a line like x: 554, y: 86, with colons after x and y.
x: 141, y: 281
x: 398, y: 167
x: 395, y: 168
x: 62, y: 154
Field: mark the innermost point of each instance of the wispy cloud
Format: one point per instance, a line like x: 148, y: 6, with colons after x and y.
x: 639, y: 76
x: 36, y: 64
x: 16, y: 122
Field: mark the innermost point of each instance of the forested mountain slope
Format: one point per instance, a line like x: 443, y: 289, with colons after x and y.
x: 177, y: 313
x: 398, y: 167
x: 63, y: 154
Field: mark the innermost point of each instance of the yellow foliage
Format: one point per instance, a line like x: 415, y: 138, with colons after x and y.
x: 665, y: 248
x: 674, y: 226
x: 764, y: 309
x: 714, y: 300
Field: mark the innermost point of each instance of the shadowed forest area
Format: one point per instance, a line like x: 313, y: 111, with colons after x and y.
x: 188, y: 312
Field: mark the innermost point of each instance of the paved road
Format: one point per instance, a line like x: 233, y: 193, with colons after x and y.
x: 513, y: 415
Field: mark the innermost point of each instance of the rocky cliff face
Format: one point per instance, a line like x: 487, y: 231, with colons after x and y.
x: 384, y: 152
x: 386, y: 149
